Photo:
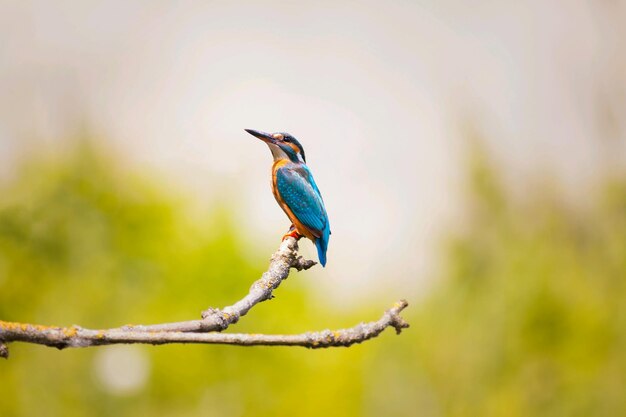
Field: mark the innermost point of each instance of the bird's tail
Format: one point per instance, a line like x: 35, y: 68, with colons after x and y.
x: 322, y: 245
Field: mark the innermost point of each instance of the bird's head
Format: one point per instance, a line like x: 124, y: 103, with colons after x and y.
x: 282, y: 145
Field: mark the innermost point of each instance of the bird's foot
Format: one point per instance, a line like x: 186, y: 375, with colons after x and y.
x: 292, y: 233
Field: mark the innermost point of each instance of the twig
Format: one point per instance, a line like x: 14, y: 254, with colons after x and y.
x: 74, y: 337
x: 213, y: 319
x: 4, y: 351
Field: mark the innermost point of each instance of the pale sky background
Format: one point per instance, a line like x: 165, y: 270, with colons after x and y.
x: 379, y: 93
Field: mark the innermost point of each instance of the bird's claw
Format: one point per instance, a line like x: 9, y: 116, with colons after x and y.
x: 292, y: 233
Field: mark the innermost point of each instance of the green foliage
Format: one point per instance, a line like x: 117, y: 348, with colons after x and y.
x: 83, y: 241
x: 527, y: 320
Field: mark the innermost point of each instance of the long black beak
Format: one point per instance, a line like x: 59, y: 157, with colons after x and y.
x: 265, y: 137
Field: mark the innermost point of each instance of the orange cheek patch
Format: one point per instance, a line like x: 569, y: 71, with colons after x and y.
x: 294, y: 147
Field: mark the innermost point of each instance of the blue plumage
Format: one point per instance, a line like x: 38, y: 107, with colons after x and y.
x: 321, y: 244
x: 298, y: 190
x: 295, y: 190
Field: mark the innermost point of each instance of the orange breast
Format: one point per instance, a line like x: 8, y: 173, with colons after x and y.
x: 302, y: 229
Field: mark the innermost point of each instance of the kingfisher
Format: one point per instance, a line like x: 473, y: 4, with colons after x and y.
x: 295, y: 190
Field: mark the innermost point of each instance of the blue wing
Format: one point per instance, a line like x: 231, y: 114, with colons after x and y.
x: 299, y: 191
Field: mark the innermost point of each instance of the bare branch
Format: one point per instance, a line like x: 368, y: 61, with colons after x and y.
x: 73, y: 337
x: 206, y: 330
x: 213, y: 319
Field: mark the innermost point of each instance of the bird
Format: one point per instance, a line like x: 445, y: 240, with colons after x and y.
x: 295, y: 190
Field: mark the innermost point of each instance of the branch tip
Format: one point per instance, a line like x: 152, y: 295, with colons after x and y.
x: 302, y: 264
x: 395, y: 320
x: 4, y: 351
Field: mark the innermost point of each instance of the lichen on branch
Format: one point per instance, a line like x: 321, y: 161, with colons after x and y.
x: 207, y: 329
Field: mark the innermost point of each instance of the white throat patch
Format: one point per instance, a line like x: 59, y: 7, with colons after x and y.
x: 277, y: 153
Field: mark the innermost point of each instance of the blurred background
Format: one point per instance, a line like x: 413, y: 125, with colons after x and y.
x: 471, y: 157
